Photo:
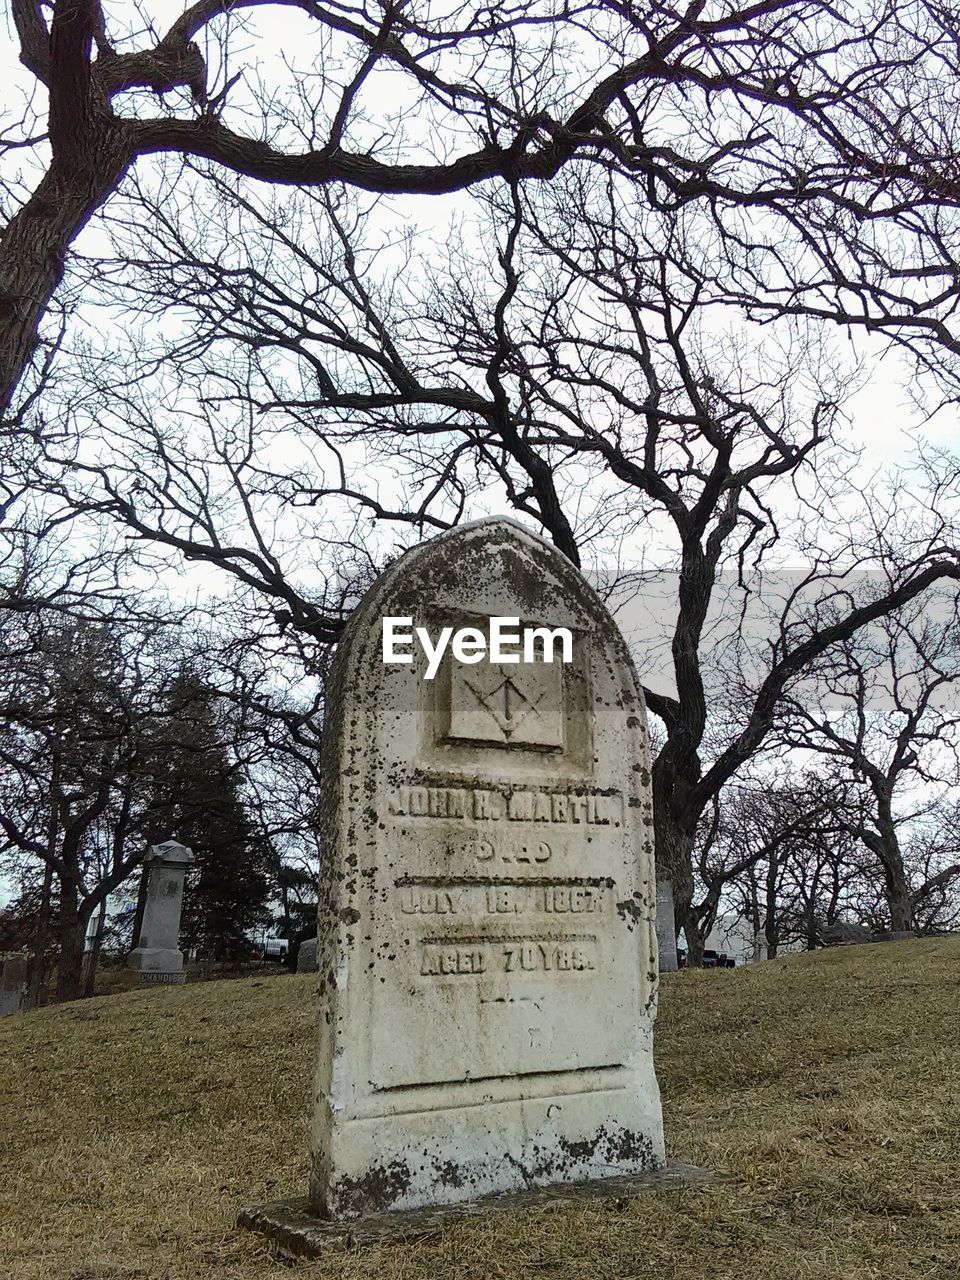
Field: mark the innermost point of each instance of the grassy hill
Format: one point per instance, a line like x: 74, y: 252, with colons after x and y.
x: 828, y: 1087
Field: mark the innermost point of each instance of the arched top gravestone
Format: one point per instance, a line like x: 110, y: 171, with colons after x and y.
x: 487, y: 950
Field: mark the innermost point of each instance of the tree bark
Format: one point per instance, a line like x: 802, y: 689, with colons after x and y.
x: 73, y: 927
x: 38, y: 965
x: 895, y: 883
x: 897, y: 890
x: 141, y: 908
x: 675, y: 863
x: 771, y: 931
x: 811, y: 923
x: 34, y: 245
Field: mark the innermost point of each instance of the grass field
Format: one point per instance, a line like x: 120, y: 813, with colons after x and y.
x: 827, y: 1087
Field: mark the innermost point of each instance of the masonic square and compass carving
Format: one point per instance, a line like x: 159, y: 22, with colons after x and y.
x: 518, y: 705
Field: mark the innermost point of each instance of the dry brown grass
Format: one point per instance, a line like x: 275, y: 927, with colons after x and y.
x: 828, y: 1086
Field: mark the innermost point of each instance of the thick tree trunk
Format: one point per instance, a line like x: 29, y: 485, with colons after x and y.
x: 38, y: 965
x: 895, y: 883
x: 898, y: 895
x: 771, y: 927
x: 34, y: 245
x: 810, y: 923
x: 73, y: 928
x: 141, y: 908
x: 695, y: 940
x: 674, y: 853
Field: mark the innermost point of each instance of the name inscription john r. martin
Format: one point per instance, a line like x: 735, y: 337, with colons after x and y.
x: 486, y: 805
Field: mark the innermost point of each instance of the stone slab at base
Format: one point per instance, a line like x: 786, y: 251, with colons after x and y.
x: 155, y: 967
x: 296, y: 1233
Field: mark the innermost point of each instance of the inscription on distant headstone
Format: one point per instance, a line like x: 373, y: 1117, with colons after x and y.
x: 487, y: 950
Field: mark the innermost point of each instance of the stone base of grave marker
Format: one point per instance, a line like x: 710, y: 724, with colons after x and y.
x: 148, y: 966
x: 298, y: 1234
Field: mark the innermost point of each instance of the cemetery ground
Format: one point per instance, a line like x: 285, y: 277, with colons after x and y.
x: 826, y: 1087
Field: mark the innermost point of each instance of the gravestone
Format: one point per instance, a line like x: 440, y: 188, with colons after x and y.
x: 842, y: 934
x: 666, y: 928
x: 487, y: 949
x: 13, y: 978
x: 307, y: 956
x: 157, y: 959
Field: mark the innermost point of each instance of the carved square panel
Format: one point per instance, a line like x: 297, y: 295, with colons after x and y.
x: 510, y: 705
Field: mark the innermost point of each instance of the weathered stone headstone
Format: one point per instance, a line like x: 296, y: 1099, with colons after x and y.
x: 13, y: 978
x: 157, y: 957
x: 487, y: 943
x: 842, y: 934
x: 307, y: 956
x: 666, y: 928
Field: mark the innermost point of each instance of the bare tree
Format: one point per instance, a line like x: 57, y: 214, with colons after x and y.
x: 765, y: 850
x: 573, y: 368
x: 82, y: 713
x: 94, y: 69
x: 787, y: 867
x: 822, y: 118
x: 112, y: 743
x: 931, y: 852
x: 884, y: 703
x: 563, y: 356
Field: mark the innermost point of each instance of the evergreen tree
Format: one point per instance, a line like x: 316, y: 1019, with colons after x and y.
x: 229, y: 885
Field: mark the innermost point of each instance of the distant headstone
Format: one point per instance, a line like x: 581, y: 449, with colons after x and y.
x: 666, y: 928
x: 487, y: 940
x: 13, y: 979
x: 844, y: 935
x: 156, y: 959
x: 307, y: 956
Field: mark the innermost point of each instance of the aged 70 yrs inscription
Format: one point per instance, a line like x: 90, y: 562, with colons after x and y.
x: 487, y: 952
